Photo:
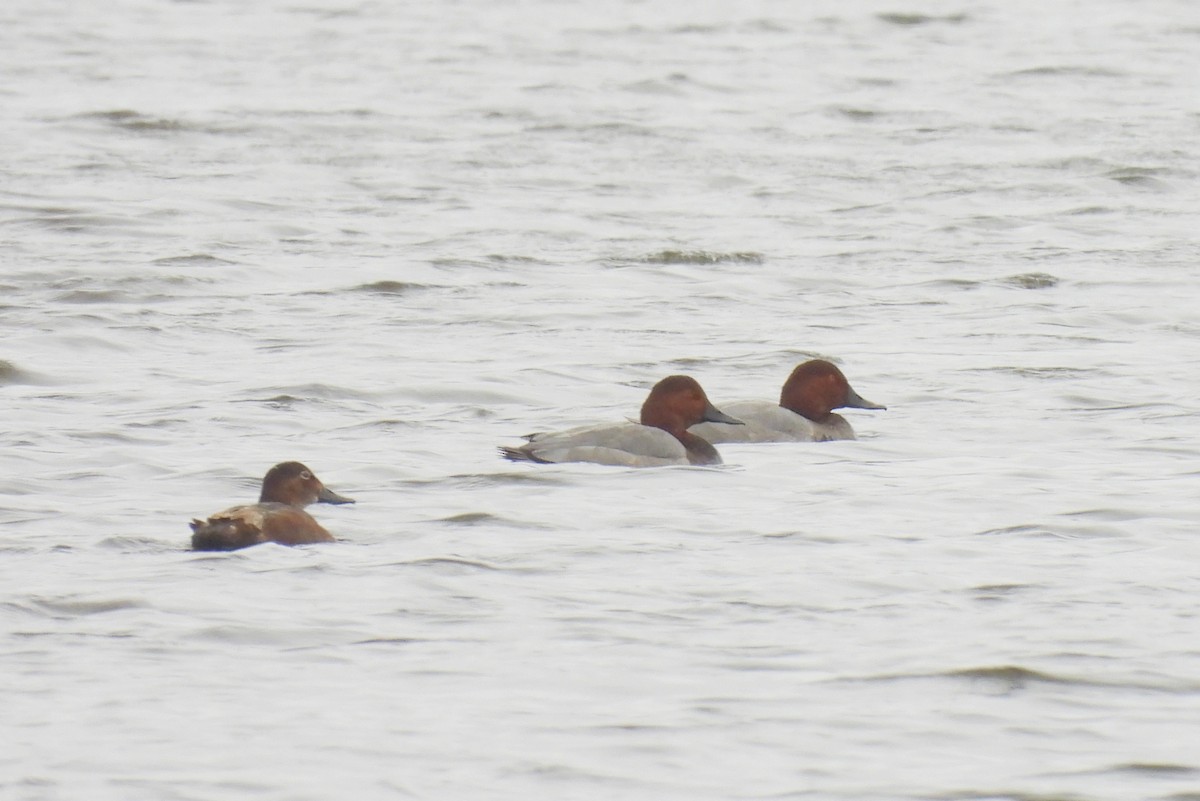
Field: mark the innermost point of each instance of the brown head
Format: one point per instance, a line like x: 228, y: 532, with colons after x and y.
x: 294, y: 484
x: 817, y: 387
x: 677, y: 402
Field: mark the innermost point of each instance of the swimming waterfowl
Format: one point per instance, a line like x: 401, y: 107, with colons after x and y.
x: 661, y: 438
x: 278, y: 516
x: 804, y: 412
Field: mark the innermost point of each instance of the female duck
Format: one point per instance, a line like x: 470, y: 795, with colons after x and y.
x: 662, y: 438
x: 804, y: 413
x: 278, y: 516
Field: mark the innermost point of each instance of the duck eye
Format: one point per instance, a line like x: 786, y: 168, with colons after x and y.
x: 304, y: 474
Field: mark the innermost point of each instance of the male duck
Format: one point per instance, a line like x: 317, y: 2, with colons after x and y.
x: 662, y: 437
x: 804, y: 412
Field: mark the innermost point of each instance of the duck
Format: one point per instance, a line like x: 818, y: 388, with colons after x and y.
x: 804, y: 412
x: 278, y: 516
x: 660, y: 438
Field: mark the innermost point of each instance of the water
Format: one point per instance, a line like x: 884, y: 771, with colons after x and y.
x: 385, y: 238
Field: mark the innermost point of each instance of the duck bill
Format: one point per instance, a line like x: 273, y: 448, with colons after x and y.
x: 326, y: 495
x: 856, y: 401
x: 714, y: 415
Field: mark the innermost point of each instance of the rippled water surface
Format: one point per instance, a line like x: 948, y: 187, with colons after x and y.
x: 384, y: 238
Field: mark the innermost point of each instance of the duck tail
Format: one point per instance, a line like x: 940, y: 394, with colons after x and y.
x: 217, y: 535
x: 520, y: 455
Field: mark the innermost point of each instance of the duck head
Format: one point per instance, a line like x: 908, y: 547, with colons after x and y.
x: 817, y: 387
x: 294, y: 484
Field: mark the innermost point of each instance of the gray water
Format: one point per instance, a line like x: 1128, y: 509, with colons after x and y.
x: 384, y: 238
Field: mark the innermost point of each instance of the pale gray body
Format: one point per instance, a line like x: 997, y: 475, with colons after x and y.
x: 769, y: 422
x: 622, y: 444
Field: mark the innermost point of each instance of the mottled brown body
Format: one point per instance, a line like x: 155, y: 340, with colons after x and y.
x: 279, y: 515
